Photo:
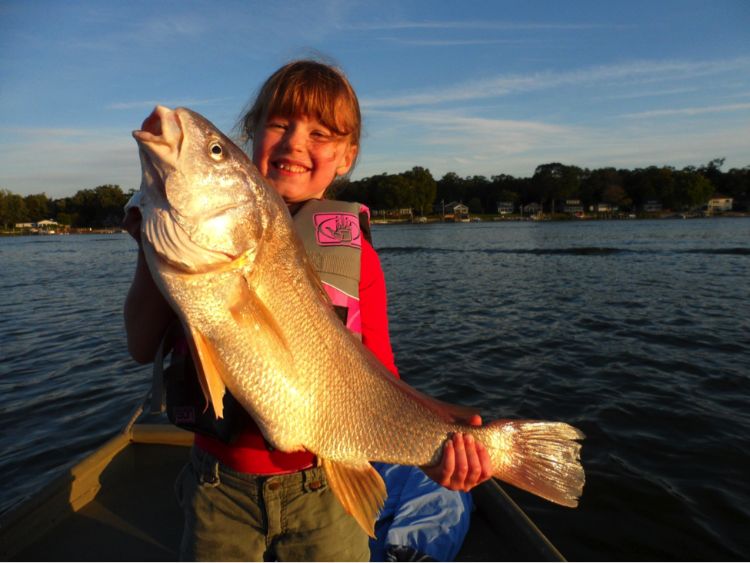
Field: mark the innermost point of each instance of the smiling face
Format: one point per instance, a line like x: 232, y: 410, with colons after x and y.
x: 300, y: 156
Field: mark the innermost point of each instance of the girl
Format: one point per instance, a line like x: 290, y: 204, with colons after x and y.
x: 242, y: 499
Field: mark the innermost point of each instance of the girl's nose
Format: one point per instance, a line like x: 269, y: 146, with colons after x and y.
x: 294, y: 138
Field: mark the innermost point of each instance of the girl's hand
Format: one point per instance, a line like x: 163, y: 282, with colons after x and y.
x: 132, y: 223
x: 465, y: 462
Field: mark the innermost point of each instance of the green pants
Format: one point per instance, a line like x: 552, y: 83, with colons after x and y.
x: 232, y: 516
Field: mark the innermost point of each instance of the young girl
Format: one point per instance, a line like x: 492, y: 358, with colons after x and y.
x: 244, y: 500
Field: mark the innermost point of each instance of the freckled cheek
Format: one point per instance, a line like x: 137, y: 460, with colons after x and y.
x: 327, y: 155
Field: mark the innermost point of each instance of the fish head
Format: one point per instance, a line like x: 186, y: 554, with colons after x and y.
x: 201, y: 193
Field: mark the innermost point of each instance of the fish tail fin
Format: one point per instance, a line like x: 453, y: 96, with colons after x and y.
x: 539, y: 457
x: 360, y: 490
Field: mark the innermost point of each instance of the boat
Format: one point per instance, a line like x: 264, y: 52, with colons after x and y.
x: 118, y: 504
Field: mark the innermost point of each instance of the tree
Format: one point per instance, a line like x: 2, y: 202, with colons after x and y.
x: 12, y: 209
x: 691, y: 189
x: 423, y: 186
x: 37, y: 207
x: 556, y: 181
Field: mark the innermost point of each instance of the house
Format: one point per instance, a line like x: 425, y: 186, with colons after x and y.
x: 652, y: 206
x: 720, y: 203
x: 572, y: 206
x: 604, y: 208
x: 505, y: 207
x: 24, y: 225
x: 456, y: 211
x: 531, y: 208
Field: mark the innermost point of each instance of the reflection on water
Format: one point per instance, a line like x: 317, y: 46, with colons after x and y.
x: 637, y: 332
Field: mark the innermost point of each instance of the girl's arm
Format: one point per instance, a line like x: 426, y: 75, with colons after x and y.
x: 147, y: 314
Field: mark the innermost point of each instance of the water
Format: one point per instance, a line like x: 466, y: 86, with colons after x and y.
x: 637, y: 332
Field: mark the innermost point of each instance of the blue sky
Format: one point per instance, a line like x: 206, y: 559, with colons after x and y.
x: 468, y: 87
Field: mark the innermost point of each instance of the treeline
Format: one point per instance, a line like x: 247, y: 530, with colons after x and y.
x: 552, y: 184
x: 100, y: 207
x: 416, y: 189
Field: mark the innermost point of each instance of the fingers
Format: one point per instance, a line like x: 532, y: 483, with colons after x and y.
x: 465, y: 464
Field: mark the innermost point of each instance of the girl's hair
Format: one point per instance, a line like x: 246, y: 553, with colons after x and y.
x: 309, y: 88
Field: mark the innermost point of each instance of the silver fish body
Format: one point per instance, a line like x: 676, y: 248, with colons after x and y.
x: 221, y: 246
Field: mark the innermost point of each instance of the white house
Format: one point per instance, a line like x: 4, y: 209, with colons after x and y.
x: 505, y: 207
x: 720, y: 202
x: 652, y: 206
x: 572, y: 206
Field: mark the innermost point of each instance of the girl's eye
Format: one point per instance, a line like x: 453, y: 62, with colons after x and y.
x: 216, y: 151
x: 321, y: 134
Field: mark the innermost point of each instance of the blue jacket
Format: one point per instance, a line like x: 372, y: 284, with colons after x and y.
x: 420, y: 518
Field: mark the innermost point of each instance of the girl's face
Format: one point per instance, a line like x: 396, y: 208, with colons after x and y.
x: 300, y: 156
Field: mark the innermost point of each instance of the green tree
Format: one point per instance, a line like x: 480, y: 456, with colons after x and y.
x: 555, y: 182
x: 12, y: 209
x: 37, y: 206
x: 423, y: 187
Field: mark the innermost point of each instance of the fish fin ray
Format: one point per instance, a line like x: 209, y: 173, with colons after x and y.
x: 208, y: 370
x: 546, y: 459
x: 359, y: 488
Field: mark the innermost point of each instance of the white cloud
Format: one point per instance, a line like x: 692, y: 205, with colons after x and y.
x: 628, y: 74
x: 689, y: 111
x: 150, y: 104
x: 476, y: 25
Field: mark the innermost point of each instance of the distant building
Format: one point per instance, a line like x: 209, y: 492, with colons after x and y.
x: 24, y: 225
x: 572, y: 206
x: 720, y: 203
x: 505, y: 207
x: 652, y: 206
x: 456, y: 211
x: 531, y: 208
x: 604, y: 208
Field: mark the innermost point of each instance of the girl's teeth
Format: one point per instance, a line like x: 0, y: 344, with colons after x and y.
x: 292, y: 167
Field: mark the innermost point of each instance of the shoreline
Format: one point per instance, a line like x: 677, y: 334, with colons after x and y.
x: 558, y: 217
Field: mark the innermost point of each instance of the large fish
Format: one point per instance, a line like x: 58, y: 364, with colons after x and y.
x: 221, y: 246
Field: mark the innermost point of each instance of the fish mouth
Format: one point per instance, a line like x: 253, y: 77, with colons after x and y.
x: 161, y: 129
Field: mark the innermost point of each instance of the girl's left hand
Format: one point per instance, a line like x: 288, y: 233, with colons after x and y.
x: 465, y: 462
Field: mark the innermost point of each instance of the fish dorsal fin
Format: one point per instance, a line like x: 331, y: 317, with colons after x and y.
x: 208, y: 370
x: 173, y: 245
x: 360, y: 490
x: 447, y: 412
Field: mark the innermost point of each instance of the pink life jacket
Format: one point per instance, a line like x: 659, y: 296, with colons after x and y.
x: 332, y: 233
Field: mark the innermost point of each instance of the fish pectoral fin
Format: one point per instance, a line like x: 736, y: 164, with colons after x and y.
x: 248, y: 310
x: 360, y: 490
x: 208, y: 369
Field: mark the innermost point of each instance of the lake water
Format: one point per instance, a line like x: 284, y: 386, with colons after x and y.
x: 637, y: 332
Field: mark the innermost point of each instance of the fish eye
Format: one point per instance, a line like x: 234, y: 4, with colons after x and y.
x: 216, y: 150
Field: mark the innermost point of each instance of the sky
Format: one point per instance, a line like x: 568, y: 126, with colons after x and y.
x: 475, y: 88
